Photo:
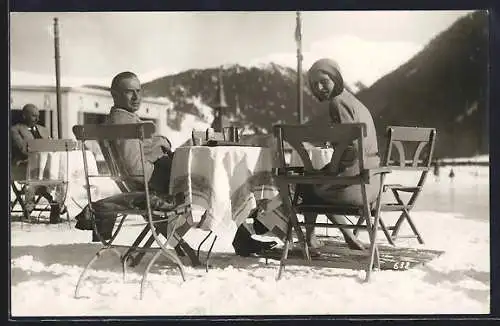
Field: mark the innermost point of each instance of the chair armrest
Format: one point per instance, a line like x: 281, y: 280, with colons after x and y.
x: 287, y: 170
x: 392, y: 185
x: 379, y: 170
x: 395, y: 187
x: 319, y: 179
x: 370, y: 173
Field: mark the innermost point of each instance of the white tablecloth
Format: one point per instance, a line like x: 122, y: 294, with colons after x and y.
x: 226, y: 181
x: 61, y: 165
x: 64, y: 166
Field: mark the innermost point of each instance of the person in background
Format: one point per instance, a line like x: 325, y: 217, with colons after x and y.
x: 21, y: 133
x: 327, y: 85
x: 437, y: 166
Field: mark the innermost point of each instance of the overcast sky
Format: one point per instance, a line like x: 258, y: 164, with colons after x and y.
x: 96, y: 46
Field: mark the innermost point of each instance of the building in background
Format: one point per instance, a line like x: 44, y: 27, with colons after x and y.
x: 79, y: 105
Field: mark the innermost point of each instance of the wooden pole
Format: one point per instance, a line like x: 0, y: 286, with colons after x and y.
x: 58, y: 77
x: 300, y: 95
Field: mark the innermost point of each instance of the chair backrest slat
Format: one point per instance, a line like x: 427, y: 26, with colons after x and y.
x: 141, y: 130
x: 114, y: 168
x: 409, y: 147
x: 50, y: 145
x: 339, y: 135
x: 106, y: 134
x: 402, y: 133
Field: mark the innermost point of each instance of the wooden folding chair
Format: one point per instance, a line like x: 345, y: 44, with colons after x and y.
x: 161, y: 220
x: 18, y: 188
x: 417, y: 144
x: 17, y: 198
x: 36, y: 178
x: 287, y: 177
x: 127, y: 185
x: 18, y: 203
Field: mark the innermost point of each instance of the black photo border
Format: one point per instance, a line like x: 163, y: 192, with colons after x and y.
x: 291, y: 5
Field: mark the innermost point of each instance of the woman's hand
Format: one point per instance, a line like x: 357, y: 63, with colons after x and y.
x: 348, y: 157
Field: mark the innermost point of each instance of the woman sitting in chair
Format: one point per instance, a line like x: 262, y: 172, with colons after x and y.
x: 327, y: 85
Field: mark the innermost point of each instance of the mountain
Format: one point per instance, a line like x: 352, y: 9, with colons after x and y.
x: 444, y: 86
x: 265, y: 95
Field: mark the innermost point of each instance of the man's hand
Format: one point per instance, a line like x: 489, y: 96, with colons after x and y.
x: 20, y: 162
x: 162, y: 142
x: 158, y: 147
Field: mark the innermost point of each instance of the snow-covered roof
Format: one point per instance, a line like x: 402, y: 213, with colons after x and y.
x: 36, y: 82
x: 23, y: 78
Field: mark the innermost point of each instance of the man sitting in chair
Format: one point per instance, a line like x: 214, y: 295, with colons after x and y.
x: 126, y: 93
x: 21, y: 133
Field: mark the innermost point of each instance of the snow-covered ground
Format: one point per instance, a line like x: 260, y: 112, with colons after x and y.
x: 452, y: 215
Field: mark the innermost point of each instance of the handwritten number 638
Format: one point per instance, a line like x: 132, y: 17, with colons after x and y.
x: 401, y: 265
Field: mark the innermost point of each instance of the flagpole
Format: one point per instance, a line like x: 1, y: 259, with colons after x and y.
x: 58, y: 78
x: 300, y: 97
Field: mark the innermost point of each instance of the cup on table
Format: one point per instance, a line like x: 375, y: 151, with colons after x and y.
x: 197, y: 139
x: 209, y: 134
x: 327, y: 144
x: 231, y: 134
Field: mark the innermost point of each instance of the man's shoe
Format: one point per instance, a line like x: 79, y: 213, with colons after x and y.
x: 55, y: 212
x: 254, y: 247
x: 244, y: 245
x: 56, y: 220
x: 261, y: 246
